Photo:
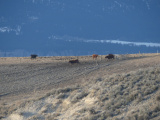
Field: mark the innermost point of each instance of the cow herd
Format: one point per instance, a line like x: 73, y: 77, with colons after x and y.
x: 94, y: 56
x: 109, y: 56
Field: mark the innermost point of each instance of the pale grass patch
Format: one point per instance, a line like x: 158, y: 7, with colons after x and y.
x: 134, y: 95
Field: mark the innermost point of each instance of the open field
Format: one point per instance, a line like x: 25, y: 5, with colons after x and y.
x: 127, y: 88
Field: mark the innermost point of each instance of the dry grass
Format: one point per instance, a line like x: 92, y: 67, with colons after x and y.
x: 132, y: 96
x: 122, y: 96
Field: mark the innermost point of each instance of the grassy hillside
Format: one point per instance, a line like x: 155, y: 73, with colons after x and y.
x: 131, y: 96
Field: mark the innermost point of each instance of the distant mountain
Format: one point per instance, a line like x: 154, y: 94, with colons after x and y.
x: 33, y: 26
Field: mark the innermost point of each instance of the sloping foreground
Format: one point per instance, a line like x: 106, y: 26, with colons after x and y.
x: 130, y: 96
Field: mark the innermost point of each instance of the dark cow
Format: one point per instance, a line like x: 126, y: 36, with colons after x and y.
x: 33, y: 56
x: 74, y: 61
x: 94, y: 56
x: 110, y: 56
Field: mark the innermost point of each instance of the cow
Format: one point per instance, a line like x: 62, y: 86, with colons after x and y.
x: 110, y: 56
x: 74, y: 61
x: 94, y: 56
x: 33, y: 56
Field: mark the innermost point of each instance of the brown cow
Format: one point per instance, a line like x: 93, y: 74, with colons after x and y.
x: 94, y: 56
x: 110, y: 56
x: 74, y: 61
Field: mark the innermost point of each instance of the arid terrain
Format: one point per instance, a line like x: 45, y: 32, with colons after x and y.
x: 50, y: 88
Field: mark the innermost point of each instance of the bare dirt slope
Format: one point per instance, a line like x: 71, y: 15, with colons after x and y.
x: 22, y: 78
x: 25, y: 76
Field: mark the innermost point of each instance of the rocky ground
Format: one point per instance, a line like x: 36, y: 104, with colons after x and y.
x: 52, y: 88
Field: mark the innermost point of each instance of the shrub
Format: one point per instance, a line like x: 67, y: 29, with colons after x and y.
x: 61, y: 96
x: 109, y: 114
x: 82, y: 110
x: 63, y: 90
x: 138, y: 117
x: 92, y: 117
x: 79, y: 96
x: 92, y: 111
x: 150, y: 90
x: 158, y: 98
x: 143, y: 117
x: 157, y: 108
x: 132, y: 96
